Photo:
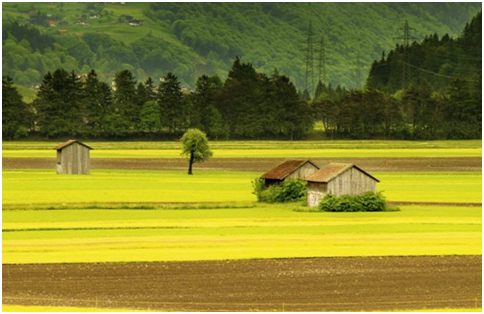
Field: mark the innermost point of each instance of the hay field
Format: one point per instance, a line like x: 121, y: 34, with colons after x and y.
x: 261, y: 149
x: 138, y: 187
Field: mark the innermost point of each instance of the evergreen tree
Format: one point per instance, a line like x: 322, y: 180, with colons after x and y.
x: 171, y: 102
x: 14, y: 111
x: 150, y: 117
x: 58, y: 104
x: 204, y: 98
x: 126, y: 98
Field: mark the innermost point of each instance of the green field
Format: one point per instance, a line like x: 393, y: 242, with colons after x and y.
x: 259, y: 149
x: 117, y: 235
x: 113, y: 215
x: 141, y: 215
x: 133, y: 186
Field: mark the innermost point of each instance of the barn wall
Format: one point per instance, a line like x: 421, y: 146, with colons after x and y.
x: 351, y: 182
x: 303, y: 171
x: 58, y: 164
x: 75, y: 159
x: 361, y: 183
x: 341, y: 184
x: 316, y: 191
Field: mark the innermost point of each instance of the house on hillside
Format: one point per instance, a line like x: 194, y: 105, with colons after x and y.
x: 339, y: 179
x: 73, y: 158
x: 289, y: 169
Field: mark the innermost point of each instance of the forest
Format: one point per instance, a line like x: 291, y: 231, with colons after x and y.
x: 430, y: 89
x: 192, y: 39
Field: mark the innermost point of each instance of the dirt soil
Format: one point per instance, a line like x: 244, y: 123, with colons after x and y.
x: 259, y: 164
x: 310, y: 284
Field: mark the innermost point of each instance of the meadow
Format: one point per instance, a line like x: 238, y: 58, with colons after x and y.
x: 258, y: 149
x: 138, y: 187
x: 121, y: 216
x: 125, y: 216
x: 263, y: 231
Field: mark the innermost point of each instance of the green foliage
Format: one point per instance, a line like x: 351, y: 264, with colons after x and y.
x: 116, y: 126
x: 171, y: 102
x: 58, y: 104
x: 195, y: 147
x: 15, y: 113
x: 372, y: 202
x: 366, y: 202
x: 258, y: 186
x: 150, y: 117
x: 290, y: 190
x: 185, y: 38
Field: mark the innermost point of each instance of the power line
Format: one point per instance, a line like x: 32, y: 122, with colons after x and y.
x: 406, y: 43
x: 434, y: 73
x: 309, y: 81
x: 322, y: 61
x: 359, y: 66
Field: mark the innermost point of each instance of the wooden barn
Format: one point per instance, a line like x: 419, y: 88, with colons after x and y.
x: 73, y: 158
x: 339, y: 179
x: 289, y: 169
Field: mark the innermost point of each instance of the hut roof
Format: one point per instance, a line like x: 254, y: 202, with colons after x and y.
x: 333, y: 170
x: 69, y: 142
x: 286, y: 168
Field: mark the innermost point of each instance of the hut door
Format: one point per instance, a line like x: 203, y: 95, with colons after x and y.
x: 313, y: 199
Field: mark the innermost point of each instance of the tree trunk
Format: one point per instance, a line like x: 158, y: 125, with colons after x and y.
x: 191, y: 163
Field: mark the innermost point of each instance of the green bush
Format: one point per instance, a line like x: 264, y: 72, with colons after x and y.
x: 329, y: 203
x: 366, y: 202
x: 372, y: 202
x: 258, y: 185
x: 288, y: 191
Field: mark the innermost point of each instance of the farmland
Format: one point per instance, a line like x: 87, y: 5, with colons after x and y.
x: 262, y: 149
x: 141, y: 187
x: 122, y: 216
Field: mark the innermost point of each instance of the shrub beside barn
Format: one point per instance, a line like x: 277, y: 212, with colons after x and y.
x: 289, y: 169
x: 339, y: 179
x: 73, y: 157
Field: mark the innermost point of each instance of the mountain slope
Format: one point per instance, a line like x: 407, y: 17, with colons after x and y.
x: 191, y: 39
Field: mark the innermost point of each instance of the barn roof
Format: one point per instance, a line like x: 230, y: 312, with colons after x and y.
x: 69, y: 142
x: 286, y: 168
x: 333, y: 170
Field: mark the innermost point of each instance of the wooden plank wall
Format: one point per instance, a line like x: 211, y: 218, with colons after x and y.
x: 304, y: 171
x: 74, y: 159
x: 351, y: 182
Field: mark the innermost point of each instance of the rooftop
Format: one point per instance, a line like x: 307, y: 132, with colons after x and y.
x: 69, y: 142
x: 333, y: 170
x: 286, y: 168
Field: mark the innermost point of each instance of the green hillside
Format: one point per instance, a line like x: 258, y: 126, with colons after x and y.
x: 191, y: 39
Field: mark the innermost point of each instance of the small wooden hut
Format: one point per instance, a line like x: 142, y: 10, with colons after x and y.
x: 73, y: 158
x: 289, y: 169
x: 339, y: 179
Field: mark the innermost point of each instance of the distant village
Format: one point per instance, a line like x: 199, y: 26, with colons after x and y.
x: 91, y: 13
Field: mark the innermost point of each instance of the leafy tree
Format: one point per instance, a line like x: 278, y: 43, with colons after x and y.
x: 195, y: 147
x: 14, y: 111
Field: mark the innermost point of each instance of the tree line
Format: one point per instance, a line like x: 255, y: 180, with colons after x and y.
x: 253, y: 105
x: 247, y: 105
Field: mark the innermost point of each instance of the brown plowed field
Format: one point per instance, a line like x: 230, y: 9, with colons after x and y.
x: 259, y: 164
x: 312, y: 284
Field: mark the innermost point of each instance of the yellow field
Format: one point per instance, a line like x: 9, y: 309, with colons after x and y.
x: 261, y: 153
